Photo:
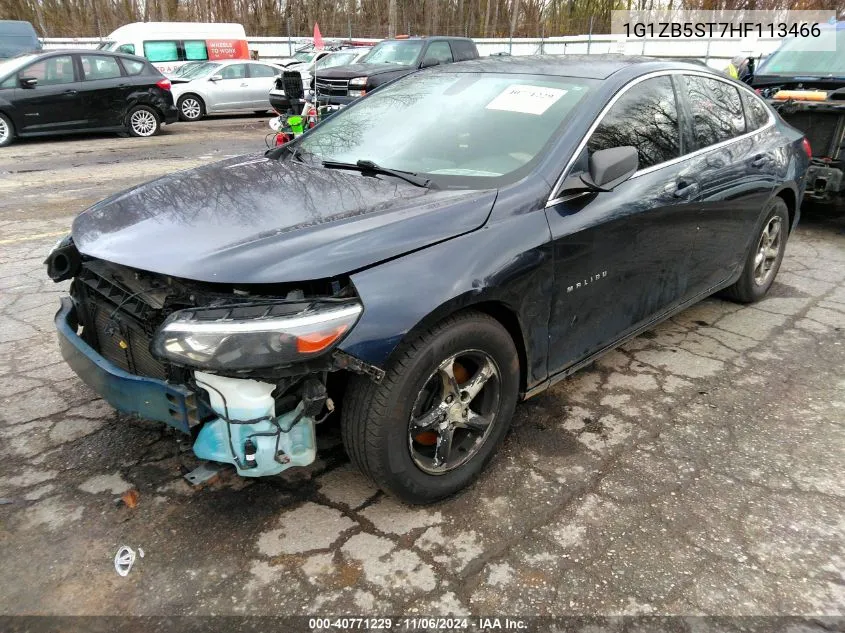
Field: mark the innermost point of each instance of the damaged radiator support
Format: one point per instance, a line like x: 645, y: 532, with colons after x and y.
x: 248, y: 433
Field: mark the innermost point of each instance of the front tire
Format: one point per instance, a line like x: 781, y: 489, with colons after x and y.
x: 443, y: 407
x: 7, y: 131
x: 764, y: 259
x: 191, y: 107
x: 143, y: 121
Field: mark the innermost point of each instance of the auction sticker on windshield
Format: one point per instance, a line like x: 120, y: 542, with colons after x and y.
x: 526, y: 99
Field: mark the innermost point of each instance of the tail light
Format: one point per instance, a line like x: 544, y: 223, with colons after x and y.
x: 164, y: 84
x: 806, y: 145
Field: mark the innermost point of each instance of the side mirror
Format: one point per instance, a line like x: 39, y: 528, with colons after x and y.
x: 428, y: 62
x: 215, y: 78
x: 28, y: 82
x: 611, y: 167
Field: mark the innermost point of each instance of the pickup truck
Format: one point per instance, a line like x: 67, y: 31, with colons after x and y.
x: 389, y: 60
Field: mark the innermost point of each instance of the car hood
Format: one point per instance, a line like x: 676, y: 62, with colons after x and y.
x: 257, y: 220
x: 362, y: 70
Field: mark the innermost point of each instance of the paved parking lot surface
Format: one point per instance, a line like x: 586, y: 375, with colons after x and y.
x: 697, y: 470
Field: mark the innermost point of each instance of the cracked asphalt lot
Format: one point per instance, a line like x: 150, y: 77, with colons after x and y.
x: 697, y: 470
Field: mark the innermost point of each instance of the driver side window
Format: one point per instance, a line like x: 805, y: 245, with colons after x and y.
x: 439, y: 51
x: 51, y: 71
x: 235, y: 71
x: 646, y: 117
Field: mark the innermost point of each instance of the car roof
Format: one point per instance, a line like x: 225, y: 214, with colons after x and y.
x: 584, y: 66
x: 423, y: 38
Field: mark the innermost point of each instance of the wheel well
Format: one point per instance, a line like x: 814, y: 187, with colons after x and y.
x: 495, y: 309
x: 789, y: 198
x: 191, y: 94
x: 508, y: 319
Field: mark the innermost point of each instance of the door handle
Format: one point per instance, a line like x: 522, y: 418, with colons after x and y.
x: 244, y: 85
x: 685, y: 189
x: 70, y: 92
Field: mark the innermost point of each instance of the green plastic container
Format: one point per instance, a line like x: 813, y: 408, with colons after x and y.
x: 296, y: 125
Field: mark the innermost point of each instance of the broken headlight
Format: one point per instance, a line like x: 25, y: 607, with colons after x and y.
x: 207, y: 339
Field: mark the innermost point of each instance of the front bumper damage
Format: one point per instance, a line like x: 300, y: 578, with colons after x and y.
x: 243, y: 430
x: 149, y: 398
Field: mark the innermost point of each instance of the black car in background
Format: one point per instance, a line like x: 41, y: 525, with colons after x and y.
x: 62, y: 91
x: 806, y: 86
x: 426, y: 272
x: 389, y: 60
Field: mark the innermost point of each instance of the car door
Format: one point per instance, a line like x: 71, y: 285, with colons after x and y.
x: 103, y: 91
x: 735, y: 164
x: 53, y: 102
x: 229, y: 92
x: 261, y: 77
x: 622, y: 257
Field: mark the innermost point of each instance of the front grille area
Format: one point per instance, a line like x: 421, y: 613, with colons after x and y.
x: 332, y: 87
x: 117, y: 324
x: 823, y: 129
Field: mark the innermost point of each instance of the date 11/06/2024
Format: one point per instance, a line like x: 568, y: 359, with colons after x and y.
x: 417, y: 624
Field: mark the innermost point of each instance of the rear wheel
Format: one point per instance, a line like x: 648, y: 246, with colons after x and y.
x: 191, y: 107
x: 143, y: 121
x: 7, y: 131
x: 763, y: 262
x: 445, y: 404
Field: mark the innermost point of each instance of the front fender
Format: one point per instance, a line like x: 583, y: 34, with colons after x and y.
x: 509, y: 262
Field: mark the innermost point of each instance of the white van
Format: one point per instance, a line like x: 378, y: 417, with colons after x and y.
x: 168, y: 45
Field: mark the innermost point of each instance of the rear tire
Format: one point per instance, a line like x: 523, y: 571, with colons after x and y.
x: 7, y: 131
x: 443, y: 407
x: 191, y: 107
x: 143, y: 121
x: 766, y: 254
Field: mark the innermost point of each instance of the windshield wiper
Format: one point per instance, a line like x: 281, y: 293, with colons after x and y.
x: 368, y: 166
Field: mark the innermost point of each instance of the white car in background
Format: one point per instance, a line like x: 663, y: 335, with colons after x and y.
x: 344, y: 57
x: 225, y: 86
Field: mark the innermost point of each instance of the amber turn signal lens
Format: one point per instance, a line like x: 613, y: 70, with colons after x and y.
x: 318, y: 341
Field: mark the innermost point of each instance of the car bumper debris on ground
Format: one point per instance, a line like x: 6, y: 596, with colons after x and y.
x: 698, y: 469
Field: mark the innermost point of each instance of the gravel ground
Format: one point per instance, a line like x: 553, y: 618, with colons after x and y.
x: 699, y: 469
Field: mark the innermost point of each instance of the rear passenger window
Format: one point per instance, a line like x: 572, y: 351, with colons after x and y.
x: 646, y: 117
x: 756, y: 114
x: 132, y: 66
x: 195, y: 50
x: 716, y: 110
x: 99, y: 67
x: 161, y: 51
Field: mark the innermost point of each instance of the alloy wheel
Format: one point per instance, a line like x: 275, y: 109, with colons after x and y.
x: 454, y: 412
x: 768, y: 248
x: 143, y: 123
x: 5, y: 131
x: 191, y: 108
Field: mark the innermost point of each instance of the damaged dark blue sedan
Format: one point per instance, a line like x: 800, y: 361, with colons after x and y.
x: 453, y: 243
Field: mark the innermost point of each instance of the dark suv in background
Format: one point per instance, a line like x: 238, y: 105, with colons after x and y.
x: 389, y: 60
x: 62, y: 91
